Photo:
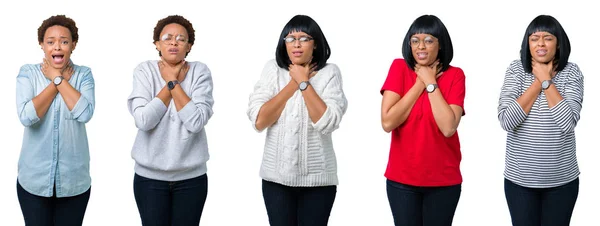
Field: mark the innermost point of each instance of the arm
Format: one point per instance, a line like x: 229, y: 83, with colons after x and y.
x: 335, y: 102
x: 80, y: 103
x: 447, y: 113
x: 146, y: 109
x: 566, y: 111
x: 31, y: 108
x: 195, y: 112
x: 511, y: 112
x: 395, y: 109
x: 266, y: 103
x: 314, y: 105
x: 271, y: 110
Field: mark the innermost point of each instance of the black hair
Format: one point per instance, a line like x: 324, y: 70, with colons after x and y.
x: 429, y: 24
x: 303, y: 23
x: 551, y: 25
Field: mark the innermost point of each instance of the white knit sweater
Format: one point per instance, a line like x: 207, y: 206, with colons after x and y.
x: 298, y: 152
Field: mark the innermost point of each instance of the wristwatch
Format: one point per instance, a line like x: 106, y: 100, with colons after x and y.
x: 171, y: 84
x: 303, y: 85
x: 546, y: 84
x: 431, y: 87
x: 57, y: 80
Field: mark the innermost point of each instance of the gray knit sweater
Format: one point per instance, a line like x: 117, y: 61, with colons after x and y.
x: 170, y: 145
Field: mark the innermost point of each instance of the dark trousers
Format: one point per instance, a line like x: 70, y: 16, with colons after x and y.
x: 422, y: 206
x: 49, y: 211
x: 166, y: 203
x: 298, y: 206
x: 541, y: 206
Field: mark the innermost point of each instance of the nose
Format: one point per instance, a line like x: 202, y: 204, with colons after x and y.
x: 541, y: 42
x: 297, y: 43
x: 57, y: 46
x: 421, y: 45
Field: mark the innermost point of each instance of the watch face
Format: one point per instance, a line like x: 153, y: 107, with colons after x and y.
x: 303, y: 85
x: 57, y: 80
x: 170, y: 85
x: 430, y: 88
x: 545, y: 84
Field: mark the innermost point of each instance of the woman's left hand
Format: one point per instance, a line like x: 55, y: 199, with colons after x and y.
x: 300, y: 73
x: 428, y: 74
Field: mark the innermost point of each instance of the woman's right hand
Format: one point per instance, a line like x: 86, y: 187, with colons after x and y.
x: 173, y: 72
x: 51, y: 72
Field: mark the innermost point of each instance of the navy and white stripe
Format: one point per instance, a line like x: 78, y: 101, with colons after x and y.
x: 540, y: 146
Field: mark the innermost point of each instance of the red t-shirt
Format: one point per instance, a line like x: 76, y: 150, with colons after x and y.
x: 420, y: 155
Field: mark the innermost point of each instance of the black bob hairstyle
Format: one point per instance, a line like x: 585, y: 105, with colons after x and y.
x: 429, y: 24
x: 551, y: 25
x: 303, y: 23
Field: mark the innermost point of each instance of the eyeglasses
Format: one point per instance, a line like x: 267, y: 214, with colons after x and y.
x: 303, y: 39
x: 428, y: 41
x: 168, y: 38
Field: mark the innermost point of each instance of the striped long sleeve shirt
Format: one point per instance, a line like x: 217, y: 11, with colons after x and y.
x: 540, y: 146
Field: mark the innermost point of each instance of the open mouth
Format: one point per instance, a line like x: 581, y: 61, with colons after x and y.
x: 541, y: 52
x: 422, y: 56
x: 58, y: 58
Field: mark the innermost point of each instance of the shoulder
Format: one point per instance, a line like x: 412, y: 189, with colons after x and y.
x: 331, y: 68
x: 572, y: 68
x: 146, y: 65
x: 29, y: 70
x: 517, y: 66
x: 455, y: 71
x: 82, y: 69
x: 271, y: 67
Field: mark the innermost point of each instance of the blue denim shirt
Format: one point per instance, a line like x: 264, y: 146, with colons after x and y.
x: 55, y: 147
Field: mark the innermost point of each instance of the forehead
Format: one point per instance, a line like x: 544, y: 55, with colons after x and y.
x: 57, y: 31
x: 175, y: 29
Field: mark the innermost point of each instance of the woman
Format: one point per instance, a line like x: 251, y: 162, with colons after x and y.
x: 299, y: 98
x: 539, y: 107
x: 54, y: 101
x: 422, y: 105
x: 171, y: 103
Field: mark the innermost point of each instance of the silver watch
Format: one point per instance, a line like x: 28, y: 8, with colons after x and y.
x: 57, y: 80
x: 431, y: 87
x: 303, y: 85
x: 546, y: 84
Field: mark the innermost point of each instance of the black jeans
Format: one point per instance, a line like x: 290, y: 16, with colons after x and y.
x: 298, y: 206
x: 165, y: 203
x: 422, y: 206
x: 541, y: 206
x: 48, y: 211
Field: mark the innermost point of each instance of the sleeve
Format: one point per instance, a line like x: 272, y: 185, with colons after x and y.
x: 566, y: 113
x: 394, y: 81
x: 196, y: 113
x: 264, y: 90
x: 84, y: 108
x: 510, y: 113
x: 147, y: 110
x: 456, y: 94
x: 335, y: 100
x: 25, y: 94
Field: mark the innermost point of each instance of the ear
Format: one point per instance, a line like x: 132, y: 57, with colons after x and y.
x: 74, y: 45
x: 42, y: 45
x: 157, y: 45
x: 189, y: 48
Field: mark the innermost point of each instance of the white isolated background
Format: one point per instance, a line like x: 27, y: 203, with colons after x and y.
x: 236, y: 38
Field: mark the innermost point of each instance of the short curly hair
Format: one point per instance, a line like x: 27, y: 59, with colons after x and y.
x: 175, y: 19
x: 60, y: 20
